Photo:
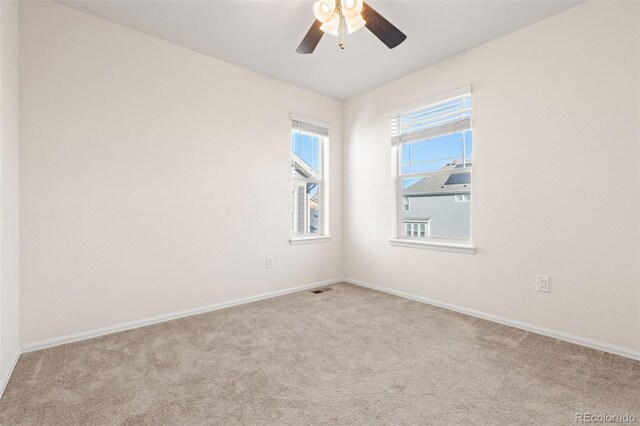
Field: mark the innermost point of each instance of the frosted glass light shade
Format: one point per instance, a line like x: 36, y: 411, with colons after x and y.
x: 351, y: 8
x: 332, y: 26
x: 324, y: 10
x: 354, y: 24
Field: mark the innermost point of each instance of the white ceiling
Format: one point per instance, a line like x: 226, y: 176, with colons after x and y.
x: 263, y: 35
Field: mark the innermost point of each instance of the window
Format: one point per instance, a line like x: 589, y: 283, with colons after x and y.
x: 309, y: 142
x: 416, y: 229
x: 434, y: 148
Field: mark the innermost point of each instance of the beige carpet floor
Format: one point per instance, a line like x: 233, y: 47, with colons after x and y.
x: 346, y: 356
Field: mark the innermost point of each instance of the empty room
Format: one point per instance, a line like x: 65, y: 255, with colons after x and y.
x: 319, y: 212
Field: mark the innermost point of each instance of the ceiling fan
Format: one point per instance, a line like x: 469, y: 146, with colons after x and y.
x: 337, y: 16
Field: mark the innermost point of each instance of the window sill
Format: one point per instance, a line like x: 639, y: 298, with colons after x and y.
x: 434, y: 245
x: 294, y: 241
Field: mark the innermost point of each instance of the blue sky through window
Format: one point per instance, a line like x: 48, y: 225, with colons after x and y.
x: 307, y: 147
x: 432, y: 154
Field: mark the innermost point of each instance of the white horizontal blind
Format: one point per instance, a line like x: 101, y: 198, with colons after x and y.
x: 309, y: 125
x: 437, y: 119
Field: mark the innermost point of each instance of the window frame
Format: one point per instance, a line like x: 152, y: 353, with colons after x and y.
x: 323, y: 183
x: 461, y: 245
x: 413, y: 225
x: 463, y: 197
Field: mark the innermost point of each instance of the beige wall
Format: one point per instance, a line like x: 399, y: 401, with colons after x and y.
x: 9, y: 199
x: 555, y: 185
x: 138, y: 160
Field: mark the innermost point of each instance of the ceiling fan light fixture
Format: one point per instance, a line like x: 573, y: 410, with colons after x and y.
x: 341, y: 17
x: 332, y: 26
x: 351, y: 8
x: 354, y: 24
x: 324, y: 10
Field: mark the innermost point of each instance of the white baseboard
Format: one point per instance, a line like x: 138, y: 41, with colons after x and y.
x: 571, y: 338
x: 84, y: 335
x: 5, y: 378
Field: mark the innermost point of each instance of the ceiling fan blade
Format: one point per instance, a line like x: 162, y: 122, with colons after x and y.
x: 381, y: 28
x: 311, y: 40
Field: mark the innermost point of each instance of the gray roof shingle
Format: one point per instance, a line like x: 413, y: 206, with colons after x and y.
x: 442, y: 182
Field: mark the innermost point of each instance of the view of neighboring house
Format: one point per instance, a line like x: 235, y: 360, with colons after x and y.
x: 439, y: 205
x: 305, y: 198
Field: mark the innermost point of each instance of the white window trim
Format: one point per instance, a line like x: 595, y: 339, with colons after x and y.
x: 399, y: 240
x: 312, y: 121
x: 465, y: 248
x: 433, y: 100
x: 294, y: 241
x: 323, y: 231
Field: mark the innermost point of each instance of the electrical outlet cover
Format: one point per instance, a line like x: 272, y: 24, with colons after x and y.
x: 542, y: 283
